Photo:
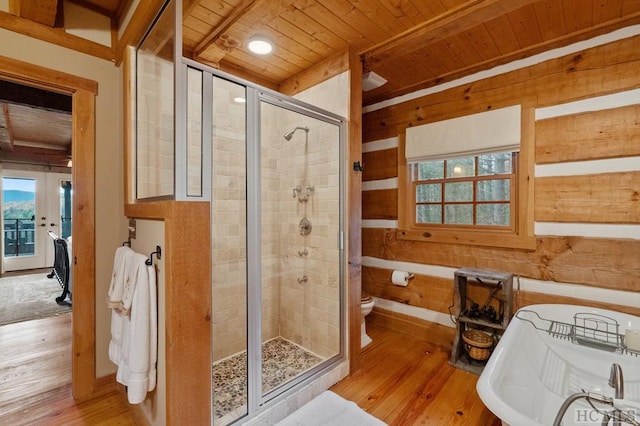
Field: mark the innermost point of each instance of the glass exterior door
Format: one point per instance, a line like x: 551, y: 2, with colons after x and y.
x: 33, y: 203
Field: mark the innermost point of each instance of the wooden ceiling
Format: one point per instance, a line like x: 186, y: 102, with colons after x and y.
x: 35, y: 125
x: 411, y: 43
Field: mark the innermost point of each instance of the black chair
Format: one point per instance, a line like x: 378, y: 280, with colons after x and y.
x: 61, y: 269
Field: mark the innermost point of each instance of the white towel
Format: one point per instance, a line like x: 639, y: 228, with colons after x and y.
x: 133, y: 346
x: 116, y: 288
x: 134, y: 265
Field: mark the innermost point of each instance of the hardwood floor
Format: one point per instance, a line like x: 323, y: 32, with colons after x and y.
x: 35, y: 379
x: 405, y: 380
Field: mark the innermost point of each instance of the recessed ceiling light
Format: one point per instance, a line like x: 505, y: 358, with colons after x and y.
x: 260, y: 45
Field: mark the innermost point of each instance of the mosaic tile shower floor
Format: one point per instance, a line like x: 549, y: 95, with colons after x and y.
x: 281, y: 361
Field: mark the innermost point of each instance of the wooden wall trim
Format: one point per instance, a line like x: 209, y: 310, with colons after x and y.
x: 36, y: 76
x: 55, y: 36
x: 601, y: 198
x: 380, y: 204
x: 436, y: 293
x: 84, y: 289
x: 380, y: 164
x: 354, y: 212
x: 187, y: 313
x: 138, y: 25
x: 593, y: 262
x: 609, y: 133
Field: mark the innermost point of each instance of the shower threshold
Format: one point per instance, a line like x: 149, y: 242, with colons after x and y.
x: 282, y: 360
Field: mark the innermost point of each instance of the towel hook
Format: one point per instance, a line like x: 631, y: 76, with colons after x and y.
x: 158, y: 254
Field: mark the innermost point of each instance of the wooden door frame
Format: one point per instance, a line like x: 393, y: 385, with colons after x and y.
x: 83, y: 92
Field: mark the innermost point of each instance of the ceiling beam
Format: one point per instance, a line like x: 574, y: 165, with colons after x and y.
x: 454, y: 21
x: 55, y: 36
x: 41, y: 11
x: 6, y: 132
x: 30, y: 155
x: 217, y: 50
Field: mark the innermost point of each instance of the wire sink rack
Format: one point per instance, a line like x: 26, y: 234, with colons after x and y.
x: 594, y: 330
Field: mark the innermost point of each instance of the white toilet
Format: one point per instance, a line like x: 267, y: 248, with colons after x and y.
x: 366, y: 306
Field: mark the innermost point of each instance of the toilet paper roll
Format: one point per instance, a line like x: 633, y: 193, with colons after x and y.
x: 400, y: 278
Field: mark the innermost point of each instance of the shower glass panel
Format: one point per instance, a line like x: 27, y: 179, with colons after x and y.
x: 194, y: 132
x: 300, y: 225
x: 155, y: 109
x: 229, y: 247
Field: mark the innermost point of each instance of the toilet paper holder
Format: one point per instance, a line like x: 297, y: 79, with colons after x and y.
x: 401, y: 278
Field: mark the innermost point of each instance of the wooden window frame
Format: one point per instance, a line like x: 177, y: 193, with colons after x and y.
x: 520, y: 233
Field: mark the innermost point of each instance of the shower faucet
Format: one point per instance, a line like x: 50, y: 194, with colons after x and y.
x: 289, y: 134
x: 297, y: 192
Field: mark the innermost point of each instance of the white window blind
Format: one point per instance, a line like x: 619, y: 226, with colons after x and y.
x: 484, y: 133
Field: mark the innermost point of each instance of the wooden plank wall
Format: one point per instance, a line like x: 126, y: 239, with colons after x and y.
x: 607, y: 197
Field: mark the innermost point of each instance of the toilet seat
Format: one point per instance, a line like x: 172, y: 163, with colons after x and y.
x: 365, y: 298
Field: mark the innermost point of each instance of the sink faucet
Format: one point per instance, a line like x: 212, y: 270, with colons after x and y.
x: 619, y: 417
x: 616, y: 381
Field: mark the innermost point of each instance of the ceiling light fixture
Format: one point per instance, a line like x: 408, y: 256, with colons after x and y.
x: 260, y: 45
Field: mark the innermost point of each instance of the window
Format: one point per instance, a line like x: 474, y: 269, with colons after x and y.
x: 469, y: 191
x: 468, y: 180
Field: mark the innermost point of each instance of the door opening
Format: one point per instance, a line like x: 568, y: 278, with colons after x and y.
x: 82, y: 92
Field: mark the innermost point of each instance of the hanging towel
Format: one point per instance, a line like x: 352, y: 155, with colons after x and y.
x: 134, y: 265
x: 133, y: 346
x: 116, y: 288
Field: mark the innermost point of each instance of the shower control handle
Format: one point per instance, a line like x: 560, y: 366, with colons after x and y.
x: 303, y: 252
x: 305, y: 226
x: 304, y: 279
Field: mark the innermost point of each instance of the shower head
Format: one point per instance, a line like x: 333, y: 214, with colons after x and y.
x: 289, y: 135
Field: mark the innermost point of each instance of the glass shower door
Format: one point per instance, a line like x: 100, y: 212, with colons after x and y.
x: 300, y: 253
x: 229, y: 251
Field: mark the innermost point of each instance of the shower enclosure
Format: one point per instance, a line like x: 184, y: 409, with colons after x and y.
x: 272, y: 168
x: 277, y: 238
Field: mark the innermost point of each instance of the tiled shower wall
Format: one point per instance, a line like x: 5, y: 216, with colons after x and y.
x: 154, y: 113
x: 310, y: 311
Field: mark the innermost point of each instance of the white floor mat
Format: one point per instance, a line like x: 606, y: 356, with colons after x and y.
x: 329, y: 409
